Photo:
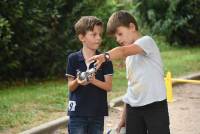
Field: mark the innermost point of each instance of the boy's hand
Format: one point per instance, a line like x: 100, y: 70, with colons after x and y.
x: 92, y: 78
x: 119, y: 126
x: 99, y: 60
x: 82, y: 82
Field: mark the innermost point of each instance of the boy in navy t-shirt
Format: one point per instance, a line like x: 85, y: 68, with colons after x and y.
x: 88, y: 99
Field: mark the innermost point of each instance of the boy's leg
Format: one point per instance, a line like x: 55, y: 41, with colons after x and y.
x: 157, y: 118
x: 96, y: 125
x: 77, y: 125
x: 135, y: 123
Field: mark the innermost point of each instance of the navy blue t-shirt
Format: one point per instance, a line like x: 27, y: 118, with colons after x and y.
x: 88, y: 100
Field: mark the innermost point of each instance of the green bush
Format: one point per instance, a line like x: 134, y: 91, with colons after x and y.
x: 36, y: 36
x: 178, y: 20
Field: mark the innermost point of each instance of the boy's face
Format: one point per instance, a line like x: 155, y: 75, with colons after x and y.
x: 92, y: 39
x: 124, y: 35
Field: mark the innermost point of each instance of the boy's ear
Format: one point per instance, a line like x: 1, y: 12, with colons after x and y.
x: 132, y: 26
x: 80, y: 37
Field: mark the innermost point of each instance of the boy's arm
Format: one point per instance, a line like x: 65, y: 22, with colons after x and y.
x: 124, y: 51
x: 122, y: 120
x: 117, y: 53
x: 72, y: 84
x: 107, y: 85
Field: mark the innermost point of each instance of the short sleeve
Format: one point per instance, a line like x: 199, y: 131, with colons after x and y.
x: 108, y: 68
x: 146, y: 43
x: 71, y: 69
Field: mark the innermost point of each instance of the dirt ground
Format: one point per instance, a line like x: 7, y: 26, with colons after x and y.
x: 184, y: 112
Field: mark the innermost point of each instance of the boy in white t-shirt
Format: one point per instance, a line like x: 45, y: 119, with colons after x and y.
x: 146, y: 110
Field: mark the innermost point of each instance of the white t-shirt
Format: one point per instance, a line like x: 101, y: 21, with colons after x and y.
x: 145, y: 75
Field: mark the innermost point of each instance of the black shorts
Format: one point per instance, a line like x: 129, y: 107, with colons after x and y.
x: 149, y: 119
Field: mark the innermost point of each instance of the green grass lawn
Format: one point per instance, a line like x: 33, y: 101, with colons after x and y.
x: 181, y: 61
x: 27, y: 104
x: 24, y: 106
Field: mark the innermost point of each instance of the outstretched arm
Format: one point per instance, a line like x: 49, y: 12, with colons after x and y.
x: 124, y: 51
x: 117, y: 53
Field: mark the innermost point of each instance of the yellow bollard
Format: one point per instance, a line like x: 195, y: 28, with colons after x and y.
x: 168, y: 83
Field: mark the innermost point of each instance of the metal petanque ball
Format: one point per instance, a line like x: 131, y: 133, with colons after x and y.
x: 113, y: 131
x: 87, y: 74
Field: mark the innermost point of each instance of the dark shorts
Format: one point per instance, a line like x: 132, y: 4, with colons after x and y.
x: 149, y: 119
x: 86, y: 125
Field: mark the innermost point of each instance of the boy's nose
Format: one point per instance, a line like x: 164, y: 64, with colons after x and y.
x: 118, y: 39
x: 99, y: 37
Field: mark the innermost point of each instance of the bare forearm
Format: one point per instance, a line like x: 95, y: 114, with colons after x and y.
x: 116, y: 53
x: 103, y: 85
x: 124, y: 51
x: 123, y: 116
x: 72, y: 85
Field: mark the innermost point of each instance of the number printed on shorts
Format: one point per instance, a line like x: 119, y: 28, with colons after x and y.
x: 72, y: 105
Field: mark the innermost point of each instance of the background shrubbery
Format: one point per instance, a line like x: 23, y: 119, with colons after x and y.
x: 36, y: 36
x: 177, y: 20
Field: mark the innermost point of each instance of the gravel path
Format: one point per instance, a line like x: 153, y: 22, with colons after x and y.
x: 184, y: 111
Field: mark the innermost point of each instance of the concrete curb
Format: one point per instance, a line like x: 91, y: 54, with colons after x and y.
x: 49, y: 127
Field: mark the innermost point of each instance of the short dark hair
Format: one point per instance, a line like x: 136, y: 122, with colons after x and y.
x: 120, y: 18
x: 87, y: 23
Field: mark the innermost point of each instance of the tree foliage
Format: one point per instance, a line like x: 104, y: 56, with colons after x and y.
x: 178, y: 20
x: 36, y: 36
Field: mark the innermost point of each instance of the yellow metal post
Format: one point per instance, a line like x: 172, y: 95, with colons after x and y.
x: 168, y: 83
